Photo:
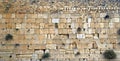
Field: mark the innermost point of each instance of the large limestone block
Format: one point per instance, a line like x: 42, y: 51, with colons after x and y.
x: 37, y: 47
x: 72, y: 36
x: 6, y: 16
x: 51, y: 31
x: 9, y: 25
x: 110, y: 46
x: 60, y: 31
x: 101, y: 25
x: 20, y: 15
x: 7, y: 46
x: 68, y: 20
x: 22, y: 47
x: 32, y: 31
x: 13, y: 16
x: 23, y: 25
x: 117, y: 25
x: 51, y: 46
x: 46, y: 31
x: 61, y: 25
x: 115, y: 20
x: 88, y: 31
x: 39, y: 52
x: 32, y: 16
x: 103, y: 35
x: 89, y: 36
x: 102, y: 15
x: 36, y: 31
x: 86, y: 25
x: 63, y: 31
x: 24, y: 51
x: 2, y: 26
x: 18, y: 26
x: 111, y: 25
x: 42, y: 25
x: 24, y: 57
x: 42, y: 15
x: 41, y: 37
x: 41, y: 31
x: 30, y: 21
x: 63, y: 20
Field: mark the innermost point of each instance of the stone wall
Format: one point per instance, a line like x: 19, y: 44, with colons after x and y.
x: 62, y: 28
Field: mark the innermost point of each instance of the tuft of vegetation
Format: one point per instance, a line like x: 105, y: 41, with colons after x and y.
x: 109, y: 54
x: 8, y: 37
x: 45, y: 55
x: 118, y: 32
x: 7, y: 7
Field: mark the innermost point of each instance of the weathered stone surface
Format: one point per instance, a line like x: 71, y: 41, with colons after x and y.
x: 45, y: 26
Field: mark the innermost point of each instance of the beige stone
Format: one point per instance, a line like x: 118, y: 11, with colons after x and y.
x: 36, y: 47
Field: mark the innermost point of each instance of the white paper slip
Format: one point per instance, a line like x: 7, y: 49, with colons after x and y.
x: 55, y: 20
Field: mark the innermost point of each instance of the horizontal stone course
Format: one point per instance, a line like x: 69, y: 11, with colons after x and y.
x: 53, y: 27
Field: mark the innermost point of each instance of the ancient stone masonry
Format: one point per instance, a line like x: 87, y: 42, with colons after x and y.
x: 69, y: 30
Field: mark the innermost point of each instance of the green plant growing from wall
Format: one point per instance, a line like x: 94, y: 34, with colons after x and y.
x: 109, y: 54
x: 46, y: 55
x: 8, y: 37
x: 7, y: 7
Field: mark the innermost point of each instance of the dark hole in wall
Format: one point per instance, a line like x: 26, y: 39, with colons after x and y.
x: 16, y: 29
x: 118, y: 32
x: 63, y: 44
x: 16, y: 45
x: 10, y: 56
x: 28, y: 30
x: 52, y: 2
x: 44, y: 50
x: 56, y: 47
x: 107, y: 17
x: 69, y: 26
x: 83, y: 29
x: 56, y: 25
x: 28, y: 46
x: 65, y: 35
x: 98, y: 35
x: 78, y: 53
x: 78, y: 29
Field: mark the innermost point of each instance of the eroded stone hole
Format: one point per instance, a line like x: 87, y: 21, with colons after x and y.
x: 56, y: 25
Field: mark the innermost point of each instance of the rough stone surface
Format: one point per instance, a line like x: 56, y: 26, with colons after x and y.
x: 50, y: 26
